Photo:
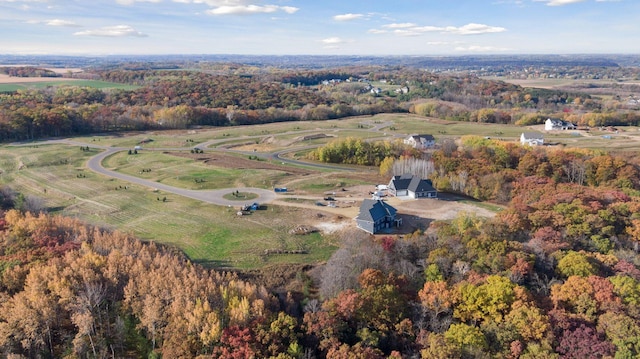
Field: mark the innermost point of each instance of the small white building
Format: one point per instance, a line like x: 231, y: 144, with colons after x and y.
x: 532, y: 139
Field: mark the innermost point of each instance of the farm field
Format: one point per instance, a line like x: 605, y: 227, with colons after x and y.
x: 551, y: 83
x: 10, y: 84
x: 215, y: 235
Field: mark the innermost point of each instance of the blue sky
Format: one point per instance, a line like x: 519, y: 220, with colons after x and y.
x: 319, y: 27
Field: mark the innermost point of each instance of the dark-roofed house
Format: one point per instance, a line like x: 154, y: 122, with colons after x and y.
x: 411, y: 186
x: 376, y: 215
x: 420, y: 142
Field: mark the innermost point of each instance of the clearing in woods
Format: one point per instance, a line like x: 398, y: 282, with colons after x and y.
x: 215, y: 235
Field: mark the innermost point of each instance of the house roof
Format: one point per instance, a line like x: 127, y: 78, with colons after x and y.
x: 559, y: 122
x: 402, y: 182
x: 419, y: 138
x: 412, y: 183
x: 532, y: 136
x: 373, y: 210
x: 420, y: 185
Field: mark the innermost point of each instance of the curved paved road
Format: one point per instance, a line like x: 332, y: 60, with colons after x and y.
x: 209, y: 196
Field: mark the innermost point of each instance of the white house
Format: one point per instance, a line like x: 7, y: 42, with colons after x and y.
x: 411, y: 186
x: 552, y: 124
x: 532, y: 139
x: 420, y: 141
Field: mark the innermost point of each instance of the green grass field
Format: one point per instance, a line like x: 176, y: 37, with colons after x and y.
x: 188, y: 173
x: 208, y: 234
x: 11, y: 87
x: 215, y: 235
x: 325, y: 184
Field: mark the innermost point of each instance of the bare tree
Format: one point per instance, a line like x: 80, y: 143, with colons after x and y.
x: 34, y: 204
x: 418, y: 167
x: 345, y: 265
x: 448, y: 147
x: 575, y: 171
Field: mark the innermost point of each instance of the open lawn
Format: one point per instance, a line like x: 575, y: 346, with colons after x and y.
x: 172, y: 170
x: 331, y: 183
x: 208, y: 234
x: 406, y: 124
x: 201, y: 171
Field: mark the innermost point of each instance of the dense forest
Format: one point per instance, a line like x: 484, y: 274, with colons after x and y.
x: 554, y: 275
x: 234, y: 94
x: 488, y: 169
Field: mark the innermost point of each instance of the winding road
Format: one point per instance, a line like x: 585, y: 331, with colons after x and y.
x: 209, y: 196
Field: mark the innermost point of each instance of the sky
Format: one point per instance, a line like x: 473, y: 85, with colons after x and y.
x: 319, y: 27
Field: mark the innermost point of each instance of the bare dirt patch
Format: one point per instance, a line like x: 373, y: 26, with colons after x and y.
x: 438, y: 209
x: 415, y: 213
x: 6, y: 79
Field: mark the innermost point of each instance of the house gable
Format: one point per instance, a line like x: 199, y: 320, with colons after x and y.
x: 532, y: 139
x: 421, y: 188
x: 420, y: 141
x: 557, y: 124
x: 375, y: 215
x: 412, y: 186
x: 399, y: 185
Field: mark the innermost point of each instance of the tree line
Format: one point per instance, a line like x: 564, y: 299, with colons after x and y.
x: 356, y: 151
x: 487, y: 169
x: 179, y: 99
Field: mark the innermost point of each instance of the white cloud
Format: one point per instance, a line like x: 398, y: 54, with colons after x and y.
x: 476, y: 48
x: 475, y: 29
x: 54, y: 22
x: 377, y: 31
x: 251, y: 9
x: 131, y: 2
x: 422, y: 29
x: 112, y: 31
x: 508, y: 2
x: 410, y: 29
x: 404, y: 32
x: 289, y: 9
x: 58, y: 22
x: 348, y: 17
x: 400, y: 26
x: 333, y: 41
x: 560, y: 2
x: 215, y: 3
